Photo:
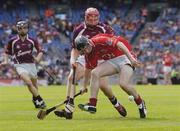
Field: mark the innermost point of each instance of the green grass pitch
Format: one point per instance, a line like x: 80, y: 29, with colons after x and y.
x: 163, y: 102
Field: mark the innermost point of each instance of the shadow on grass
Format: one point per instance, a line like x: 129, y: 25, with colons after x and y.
x: 153, y: 119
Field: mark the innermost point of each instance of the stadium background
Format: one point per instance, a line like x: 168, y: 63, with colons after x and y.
x: 152, y: 26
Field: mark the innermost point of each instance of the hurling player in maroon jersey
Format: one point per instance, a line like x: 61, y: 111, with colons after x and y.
x: 20, y: 48
x: 89, y: 28
x: 118, y: 59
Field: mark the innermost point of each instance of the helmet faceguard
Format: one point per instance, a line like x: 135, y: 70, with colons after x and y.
x: 21, y: 24
x: 22, y: 28
x: 92, y: 16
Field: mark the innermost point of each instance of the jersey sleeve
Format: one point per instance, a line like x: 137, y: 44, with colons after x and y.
x: 75, y: 34
x: 123, y: 40
x: 38, y: 47
x: 109, y: 30
x: 8, y: 48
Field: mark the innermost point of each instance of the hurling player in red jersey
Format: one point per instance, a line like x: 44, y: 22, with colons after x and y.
x: 167, y: 69
x: 20, y: 48
x: 119, y: 59
x: 89, y: 28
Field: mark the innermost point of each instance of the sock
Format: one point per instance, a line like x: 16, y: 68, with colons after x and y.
x: 67, y: 98
x: 114, y: 101
x: 39, y: 98
x: 138, y: 100
x: 34, y: 98
x: 93, y: 101
x: 71, y: 101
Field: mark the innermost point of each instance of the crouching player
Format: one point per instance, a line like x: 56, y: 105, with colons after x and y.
x: 20, y: 48
x: 116, y: 52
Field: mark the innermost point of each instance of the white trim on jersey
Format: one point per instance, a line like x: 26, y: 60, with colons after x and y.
x: 30, y: 40
x: 81, y: 32
x: 103, y: 29
x: 13, y: 43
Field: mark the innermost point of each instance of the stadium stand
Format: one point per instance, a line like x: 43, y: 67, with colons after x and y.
x: 52, y: 23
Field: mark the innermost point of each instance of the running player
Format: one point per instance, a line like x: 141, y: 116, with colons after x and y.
x: 20, y: 48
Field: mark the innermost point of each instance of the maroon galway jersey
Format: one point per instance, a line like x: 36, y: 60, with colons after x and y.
x: 21, y: 51
x: 90, y: 31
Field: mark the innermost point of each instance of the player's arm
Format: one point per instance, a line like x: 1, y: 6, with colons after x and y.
x: 74, y: 55
x: 87, y: 75
x: 38, y: 57
x: 40, y: 52
x: 123, y: 48
x: 109, y: 30
x: 5, y: 61
x: 74, y: 52
x: 7, y: 52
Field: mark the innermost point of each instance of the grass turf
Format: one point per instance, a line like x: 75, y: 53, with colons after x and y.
x: 163, y: 102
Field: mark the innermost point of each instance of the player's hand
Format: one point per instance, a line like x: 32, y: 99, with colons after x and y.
x: 83, y: 90
x: 74, y: 65
x: 136, y: 63
x: 3, y: 64
x: 36, y: 60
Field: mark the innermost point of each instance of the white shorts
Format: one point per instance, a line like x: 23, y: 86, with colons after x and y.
x: 119, y: 61
x: 81, y: 60
x: 167, y: 69
x: 29, y: 69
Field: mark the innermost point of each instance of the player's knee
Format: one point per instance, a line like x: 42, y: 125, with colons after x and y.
x: 103, y: 86
x: 29, y: 84
x: 123, y: 84
x: 70, y: 77
x: 95, y: 74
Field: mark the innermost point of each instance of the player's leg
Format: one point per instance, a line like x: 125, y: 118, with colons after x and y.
x: 79, y: 73
x: 25, y: 77
x: 69, y: 108
x: 125, y: 75
x: 104, y: 69
x: 26, y: 72
x: 167, y: 77
x: 106, y: 89
x: 71, y: 92
x: 37, y: 99
x: 27, y: 80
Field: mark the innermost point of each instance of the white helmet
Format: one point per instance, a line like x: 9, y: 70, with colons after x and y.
x: 21, y: 24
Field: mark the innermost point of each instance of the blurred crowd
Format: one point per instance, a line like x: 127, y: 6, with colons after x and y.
x: 53, y: 25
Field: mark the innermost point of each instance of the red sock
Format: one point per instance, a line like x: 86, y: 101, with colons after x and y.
x: 93, y: 101
x: 138, y: 100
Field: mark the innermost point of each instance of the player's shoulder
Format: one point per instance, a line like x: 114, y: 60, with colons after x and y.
x: 79, y: 27
x: 101, y: 24
x: 108, y: 29
x: 31, y: 38
x: 13, y: 38
x: 103, y: 35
